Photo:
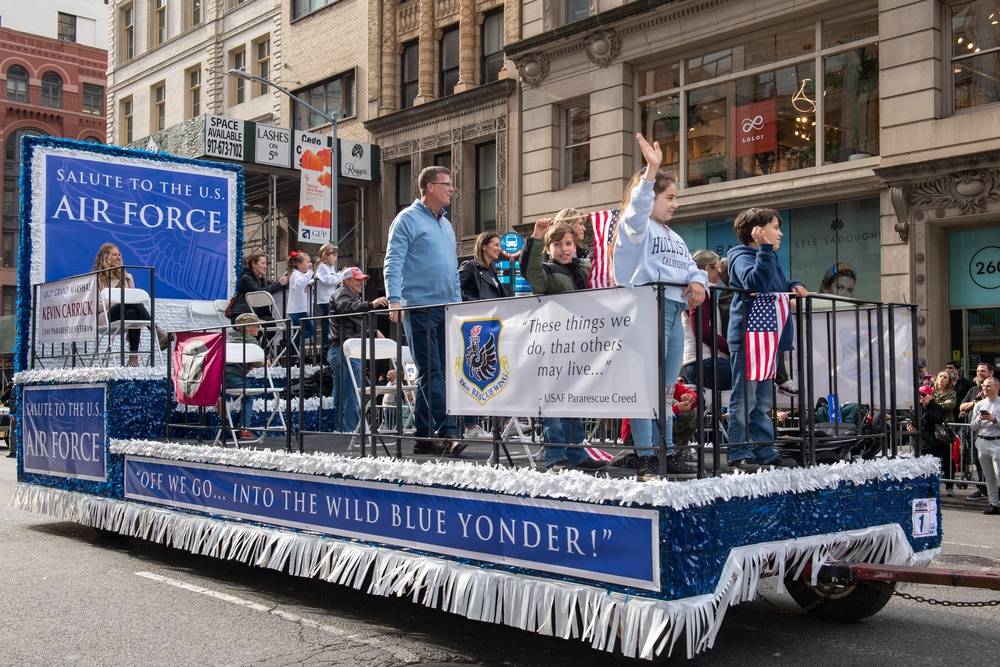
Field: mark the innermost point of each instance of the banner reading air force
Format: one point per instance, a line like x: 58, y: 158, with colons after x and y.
x: 578, y: 354
x: 178, y: 216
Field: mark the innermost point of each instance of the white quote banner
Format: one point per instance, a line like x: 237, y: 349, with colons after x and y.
x: 577, y: 354
x: 66, y: 311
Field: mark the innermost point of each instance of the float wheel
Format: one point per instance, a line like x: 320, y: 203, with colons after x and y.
x: 847, y: 601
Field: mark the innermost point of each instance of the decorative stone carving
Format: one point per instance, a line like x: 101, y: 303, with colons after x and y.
x: 921, y: 320
x: 920, y: 279
x: 969, y: 191
x: 897, y: 194
x: 534, y: 68
x: 603, y: 47
x: 919, y: 258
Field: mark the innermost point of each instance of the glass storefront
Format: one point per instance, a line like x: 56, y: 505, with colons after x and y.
x: 832, y: 248
x: 973, y: 296
x: 752, y: 109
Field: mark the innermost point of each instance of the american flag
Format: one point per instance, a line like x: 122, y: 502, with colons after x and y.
x: 765, y: 321
x: 604, y: 227
x: 597, y: 453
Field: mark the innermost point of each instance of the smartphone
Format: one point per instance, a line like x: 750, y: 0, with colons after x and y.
x: 984, y: 412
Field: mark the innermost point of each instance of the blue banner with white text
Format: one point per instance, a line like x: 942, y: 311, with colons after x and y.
x: 63, y: 431
x: 174, y: 217
x: 603, y: 543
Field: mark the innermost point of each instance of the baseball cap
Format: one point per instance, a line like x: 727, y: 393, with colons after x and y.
x: 927, y: 390
x: 921, y: 363
x: 353, y: 272
x: 246, y: 318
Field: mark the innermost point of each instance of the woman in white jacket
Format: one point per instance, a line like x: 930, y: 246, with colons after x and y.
x: 645, y: 251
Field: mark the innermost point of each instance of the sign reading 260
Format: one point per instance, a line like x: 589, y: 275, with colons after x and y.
x: 985, y: 267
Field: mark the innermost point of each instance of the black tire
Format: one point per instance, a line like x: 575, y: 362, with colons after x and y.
x: 853, y: 601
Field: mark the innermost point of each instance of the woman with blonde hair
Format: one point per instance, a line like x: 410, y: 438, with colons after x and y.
x: 110, y: 274
x: 944, y: 394
x: 328, y: 279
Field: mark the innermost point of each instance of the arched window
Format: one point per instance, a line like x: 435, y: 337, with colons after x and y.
x: 52, y: 90
x: 17, y: 83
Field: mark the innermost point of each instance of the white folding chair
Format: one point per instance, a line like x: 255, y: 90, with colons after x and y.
x: 385, y: 348
x: 249, y: 353
x: 111, y: 329
x: 275, y: 334
x: 206, y: 313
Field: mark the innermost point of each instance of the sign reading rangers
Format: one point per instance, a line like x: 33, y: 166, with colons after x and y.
x: 765, y: 322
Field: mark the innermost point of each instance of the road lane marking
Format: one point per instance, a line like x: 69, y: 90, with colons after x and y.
x: 394, y: 650
x: 962, y: 544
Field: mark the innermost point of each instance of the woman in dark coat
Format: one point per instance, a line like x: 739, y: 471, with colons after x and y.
x: 252, y: 280
x: 931, y: 415
x: 477, y: 276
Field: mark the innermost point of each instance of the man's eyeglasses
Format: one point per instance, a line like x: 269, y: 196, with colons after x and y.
x: 445, y: 183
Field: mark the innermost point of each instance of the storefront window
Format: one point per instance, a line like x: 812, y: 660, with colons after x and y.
x: 767, y: 121
x: 832, y: 249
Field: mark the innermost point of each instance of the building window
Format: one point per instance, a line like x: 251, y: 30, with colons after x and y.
x: 410, y: 70
x: 158, y: 96
x: 262, y: 64
x: 302, y: 7
x: 193, y: 92
x: 492, y: 40
x: 403, y: 177
x: 974, y: 50
x: 193, y: 15
x: 734, y: 125
x: 577, y: 9
x: 486, y: 187
x: 159, y: 21
x: 9, y: 299
x: 238, y: 60
x: 127, y: 21
x: 17, y: 84
x: 577, y: 144
x: 334, y: 97
x: 93, y: 99
x: 67, y: 27
x: 9, y: 252
x: 443, y: 160
x: 449, y: 61
x: 52, y: 90
x: 127, y: 121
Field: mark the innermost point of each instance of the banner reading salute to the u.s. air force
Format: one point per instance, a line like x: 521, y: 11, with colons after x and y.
x: 579, y: 354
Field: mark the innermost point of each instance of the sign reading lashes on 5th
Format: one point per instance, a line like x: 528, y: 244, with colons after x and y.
x: 610, y: 544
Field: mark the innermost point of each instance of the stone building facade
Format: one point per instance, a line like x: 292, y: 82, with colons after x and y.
x: 901, y: 202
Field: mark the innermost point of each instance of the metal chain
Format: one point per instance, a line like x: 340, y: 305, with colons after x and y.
x: 947, y: 603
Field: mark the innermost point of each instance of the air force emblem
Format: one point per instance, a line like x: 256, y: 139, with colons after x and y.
x: 482, y: 373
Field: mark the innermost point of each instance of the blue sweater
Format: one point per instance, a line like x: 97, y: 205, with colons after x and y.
x: 757, y: 271
x: 421, y: 261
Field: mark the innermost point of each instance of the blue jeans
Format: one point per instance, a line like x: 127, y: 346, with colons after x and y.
x: 756, y: 426
x: 673, y: 354
x: 236, y: 381
x: 305, y: 328
x: 342, y: 391
x: 708, y: 373
x: 428, y: 352
x: 567, y: 430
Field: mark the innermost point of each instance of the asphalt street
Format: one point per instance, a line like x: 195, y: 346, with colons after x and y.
x: 72, y: 596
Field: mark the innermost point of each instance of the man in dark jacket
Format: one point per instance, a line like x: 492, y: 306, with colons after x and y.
x: 347, y: 300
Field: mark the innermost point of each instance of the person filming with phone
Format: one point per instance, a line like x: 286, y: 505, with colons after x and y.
x: 987, y: 431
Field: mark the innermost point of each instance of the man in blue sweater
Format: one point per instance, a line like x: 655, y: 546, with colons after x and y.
x: 421, y: 269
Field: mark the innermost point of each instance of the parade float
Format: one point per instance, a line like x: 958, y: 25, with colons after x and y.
x: 639, y: 568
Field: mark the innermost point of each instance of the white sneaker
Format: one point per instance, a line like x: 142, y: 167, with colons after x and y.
x: 788, y: 387
x: 477, y: 431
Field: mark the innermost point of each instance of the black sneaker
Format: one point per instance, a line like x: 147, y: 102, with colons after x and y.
x: 678, y: 468
x: 978, y: 495
x: 559, y: 466
x: 745, y: 465
x: 428, y: 446
x: 590, y: 465
x: 992, y: 509
x: 781, y: 462
x: 647, y: 468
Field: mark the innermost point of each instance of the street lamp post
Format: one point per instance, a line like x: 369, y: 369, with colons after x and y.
x: 334, y: 235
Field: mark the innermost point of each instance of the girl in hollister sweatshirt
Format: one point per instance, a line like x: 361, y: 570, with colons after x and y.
x: 646, y: 250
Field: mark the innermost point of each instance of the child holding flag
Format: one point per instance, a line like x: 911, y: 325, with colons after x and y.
x: 754, y: 345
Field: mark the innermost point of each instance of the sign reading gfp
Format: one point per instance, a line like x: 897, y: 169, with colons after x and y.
x: 172, y: 216
x: 64, y: 431
x: 604, y: 543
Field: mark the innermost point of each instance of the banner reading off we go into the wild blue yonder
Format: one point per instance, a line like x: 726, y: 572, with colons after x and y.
x: 606, y: 543
x: 177, y: 216
x: 576, y: 354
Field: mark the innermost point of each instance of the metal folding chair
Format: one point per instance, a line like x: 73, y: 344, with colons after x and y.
x: 249, y: 353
